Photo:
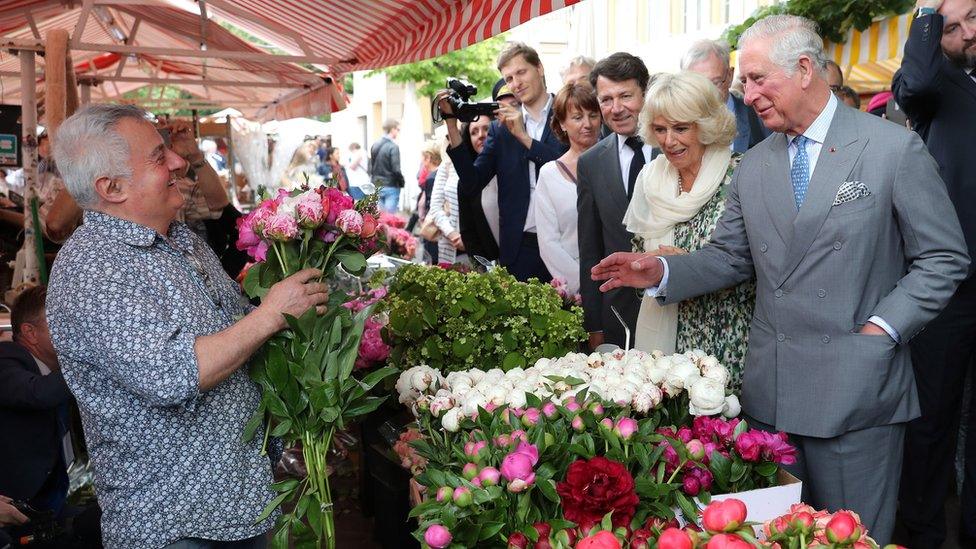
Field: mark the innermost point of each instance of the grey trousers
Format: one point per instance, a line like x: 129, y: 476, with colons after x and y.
x: 857, y: 471
x: 257, y: 542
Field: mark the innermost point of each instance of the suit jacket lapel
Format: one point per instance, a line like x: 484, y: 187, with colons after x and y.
x: 777, y: 190
x: 840, y: 151
x: 613, y: 180
x: 960, y: 77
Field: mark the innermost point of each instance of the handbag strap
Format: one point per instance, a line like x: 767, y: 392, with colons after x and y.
x: 569, y: 175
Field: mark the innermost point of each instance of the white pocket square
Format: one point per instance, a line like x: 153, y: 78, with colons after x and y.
x: 851, y: 190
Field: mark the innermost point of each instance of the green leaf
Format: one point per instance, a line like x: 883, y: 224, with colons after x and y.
x: 252, y: 282
x: 274, y: 504
x: 286, y: 485
x: 352, y: 261
x: 277, y: 367
x: 314, y: 516
x: 490, y: 529
x: 739, y: 471
x: 280, y: 540
x: 253, y: 424
x: 767, y: 469
x: 364, y: 407
x: 513, y: 359
x: 548, y: 489
x: 688, y: 509
x: 281, y: 428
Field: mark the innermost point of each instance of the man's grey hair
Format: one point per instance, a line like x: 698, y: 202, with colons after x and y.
x: 792, y: 37
x: 578, y: 61
x: 88, y: 146
x: 703, y: 49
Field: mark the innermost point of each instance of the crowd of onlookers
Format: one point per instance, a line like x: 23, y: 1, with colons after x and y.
x: 822, y: 253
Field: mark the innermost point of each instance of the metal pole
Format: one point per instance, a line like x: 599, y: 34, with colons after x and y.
x: 85, y: 93
x: 28, y: 85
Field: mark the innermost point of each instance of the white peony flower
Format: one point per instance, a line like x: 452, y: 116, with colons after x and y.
x: 680, y: 374
x: 423, y: 378
x: 716, y: 372
x: 707, y: 397
x: 451, y: 420
x: 732, y: 407
x: 472, y: 400
x: 440, y: 404
x: 647, y: 398
x: 516, y: 399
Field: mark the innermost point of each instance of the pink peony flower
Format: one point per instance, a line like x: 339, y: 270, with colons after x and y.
x: 350, y: 222
x: 549, y: 409
x: 489, y: 476
x: 309, y: 210
x: 625, y: 428
x: 336, y: 202
x: 777, y: 448
x: 518, y: 465
x: 281, y: 228
x: 749, y: 445
x: 369, y: 226
x: 531, y: 417
x: 437, y: 537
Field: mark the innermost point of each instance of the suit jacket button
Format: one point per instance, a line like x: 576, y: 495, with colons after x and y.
x: 778, y: 293
x: 825, y: 339
x: 822, y: 293
x: 763, y: 247
x: 780, y: 337
x: 838, y: 245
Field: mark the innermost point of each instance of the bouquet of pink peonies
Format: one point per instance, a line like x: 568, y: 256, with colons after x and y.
x: 306, y: 372
x: 373, y: 351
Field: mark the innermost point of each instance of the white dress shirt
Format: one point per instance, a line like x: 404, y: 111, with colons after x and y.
x: 535, y: 129
x: 816, y: 133
x: 555, y: 217
x: 626, y: 154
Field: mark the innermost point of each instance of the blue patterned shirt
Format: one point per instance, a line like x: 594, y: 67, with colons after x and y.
x: 125, y: 306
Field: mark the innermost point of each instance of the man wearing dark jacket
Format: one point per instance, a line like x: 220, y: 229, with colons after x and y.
x: 384, y: 167
x: 936, y: 87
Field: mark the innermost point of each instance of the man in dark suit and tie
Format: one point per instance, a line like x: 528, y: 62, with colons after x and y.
x: 936, y: 87
x: 519, y: 142
x: 842, y: 219
x: 607, y: 173
x: 710, y: 58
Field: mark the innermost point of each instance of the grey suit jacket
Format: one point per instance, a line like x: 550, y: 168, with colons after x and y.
x: 601, y: 205
x: 897, y: 253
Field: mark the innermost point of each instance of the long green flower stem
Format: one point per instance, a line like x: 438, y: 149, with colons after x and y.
x: 315, y: 450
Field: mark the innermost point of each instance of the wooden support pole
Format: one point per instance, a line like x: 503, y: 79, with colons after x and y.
x: 28, y: 85
x: 56, y: 63
x: 85, y: 93
x: 71, y: 88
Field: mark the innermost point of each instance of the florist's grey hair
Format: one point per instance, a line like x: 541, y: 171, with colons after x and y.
x: 703, y: 49
x: 88, y: 146
x: 794, y: 37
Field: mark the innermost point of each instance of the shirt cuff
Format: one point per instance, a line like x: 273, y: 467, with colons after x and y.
x: 661, y: 289
x: 886, y: 327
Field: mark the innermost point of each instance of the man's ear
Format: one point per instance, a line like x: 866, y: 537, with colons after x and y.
x: 110, y: 189
x: 28, y: 333
x: 807, y: 70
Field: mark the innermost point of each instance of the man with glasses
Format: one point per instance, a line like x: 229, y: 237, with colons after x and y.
x: 835, y: 76
x: 151, y: 335
x: 710, y: 58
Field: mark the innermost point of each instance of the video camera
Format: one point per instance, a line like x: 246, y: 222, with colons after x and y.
x: 464, y: 109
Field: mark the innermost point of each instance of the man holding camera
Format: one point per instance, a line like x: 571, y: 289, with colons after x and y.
x: 519, y: 142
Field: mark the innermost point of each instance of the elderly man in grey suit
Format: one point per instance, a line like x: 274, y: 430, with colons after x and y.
x: 607, y: 174
x: 710, y: 58
x: 845, y: 224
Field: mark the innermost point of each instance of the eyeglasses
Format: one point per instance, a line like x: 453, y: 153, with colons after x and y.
x: 835, y: 87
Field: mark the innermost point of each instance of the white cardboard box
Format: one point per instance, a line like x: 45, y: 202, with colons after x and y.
x: 765, y: 503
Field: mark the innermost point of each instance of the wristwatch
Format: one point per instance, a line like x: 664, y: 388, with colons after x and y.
x: 925, y: 10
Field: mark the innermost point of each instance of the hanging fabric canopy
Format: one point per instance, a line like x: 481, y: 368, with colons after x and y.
x: 121, y: 45
x: 870, y: 58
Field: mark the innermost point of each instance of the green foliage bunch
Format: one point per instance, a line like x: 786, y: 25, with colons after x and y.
x: 455, y: 321
x: 834, y: 17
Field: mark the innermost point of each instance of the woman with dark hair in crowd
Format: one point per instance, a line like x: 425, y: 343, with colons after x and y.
x: 478, y: 214
x: 337, y: 170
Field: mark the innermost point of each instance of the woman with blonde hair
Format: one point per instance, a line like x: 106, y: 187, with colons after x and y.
x: 678, y: 199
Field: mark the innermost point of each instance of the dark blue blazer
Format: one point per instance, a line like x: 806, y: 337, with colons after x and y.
x: 940, y: 100
x: 30, y: 429
x: 505, y: 157
x: 749, y: 128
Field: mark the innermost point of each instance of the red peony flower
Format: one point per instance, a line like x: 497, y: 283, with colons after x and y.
x: 595, y: 487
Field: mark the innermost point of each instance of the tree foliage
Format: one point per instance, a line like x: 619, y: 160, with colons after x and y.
x: 475, y: 63
x: 835, y: 17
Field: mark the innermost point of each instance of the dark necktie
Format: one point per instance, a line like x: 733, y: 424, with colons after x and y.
x: 636, y: 163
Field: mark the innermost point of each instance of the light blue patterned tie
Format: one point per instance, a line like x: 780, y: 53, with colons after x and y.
x: 800, y: 172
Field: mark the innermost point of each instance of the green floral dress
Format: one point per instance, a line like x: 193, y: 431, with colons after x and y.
x: 717, y: 323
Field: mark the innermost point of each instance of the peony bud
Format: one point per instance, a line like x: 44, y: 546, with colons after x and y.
x: 673, y: 538
x: 724, y: 516
x: 578, y: 424
x: 566, y: 538
x: 572, y: 406
x: 549, y: 410
x: 625, y: 428
x: 696, y: 449
x: 600, y: 540
x: 543, y: 529
x: 531, y: 417
x: 489, y: 476
x: 369, y: 226
x: 517, y: 540
x: 469, y: 471
x: 843, y: 527
x: 437, y: 536
x: 727, y: 541
x: 350, y: 222
x: 476, y: 450
x: 606, y: 424
x: 803, y: 522
x: 462, y: 496
x: 444, y: 493
x: 597, y: 409
x: 691, y: 485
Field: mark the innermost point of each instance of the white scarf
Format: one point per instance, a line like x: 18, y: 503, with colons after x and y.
x: 656, y: 207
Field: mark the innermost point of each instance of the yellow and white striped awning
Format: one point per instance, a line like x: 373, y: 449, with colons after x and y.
x: 870, y: 57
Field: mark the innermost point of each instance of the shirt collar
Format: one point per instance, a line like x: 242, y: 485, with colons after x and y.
x: 543, y: 115
x: 134, y: 234
x: 818, y: 130
x: 622, y: 142
x: 730, y: 102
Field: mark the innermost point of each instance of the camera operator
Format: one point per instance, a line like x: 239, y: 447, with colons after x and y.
x: 519, y: 142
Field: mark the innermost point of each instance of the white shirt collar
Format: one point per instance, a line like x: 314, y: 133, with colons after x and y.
x: 44, y: 368
x: 622, y: 142
x: 543, y: 115
x: 818, y: 130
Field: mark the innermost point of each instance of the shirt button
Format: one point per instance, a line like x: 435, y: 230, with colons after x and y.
x: 778, y: 293
x: 838, y: 245
x: 822, y: 293
x: 780, y: 337
x: 763, y: 247
x: 825, y: 339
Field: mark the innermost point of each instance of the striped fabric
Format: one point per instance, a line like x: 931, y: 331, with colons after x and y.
x: 872, y: 55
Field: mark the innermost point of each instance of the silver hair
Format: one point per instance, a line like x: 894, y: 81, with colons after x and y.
x: 795, y: 37
x: 88, y: 146
x: 578, y: 61
x: 703, y: 49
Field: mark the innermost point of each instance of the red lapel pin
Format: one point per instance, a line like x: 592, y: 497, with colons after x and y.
x: 833, y: 150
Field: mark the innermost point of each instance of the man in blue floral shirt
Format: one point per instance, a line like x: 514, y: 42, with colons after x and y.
x: 151, y: 335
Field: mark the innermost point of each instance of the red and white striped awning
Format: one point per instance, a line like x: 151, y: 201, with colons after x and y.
x: 319, y: 39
